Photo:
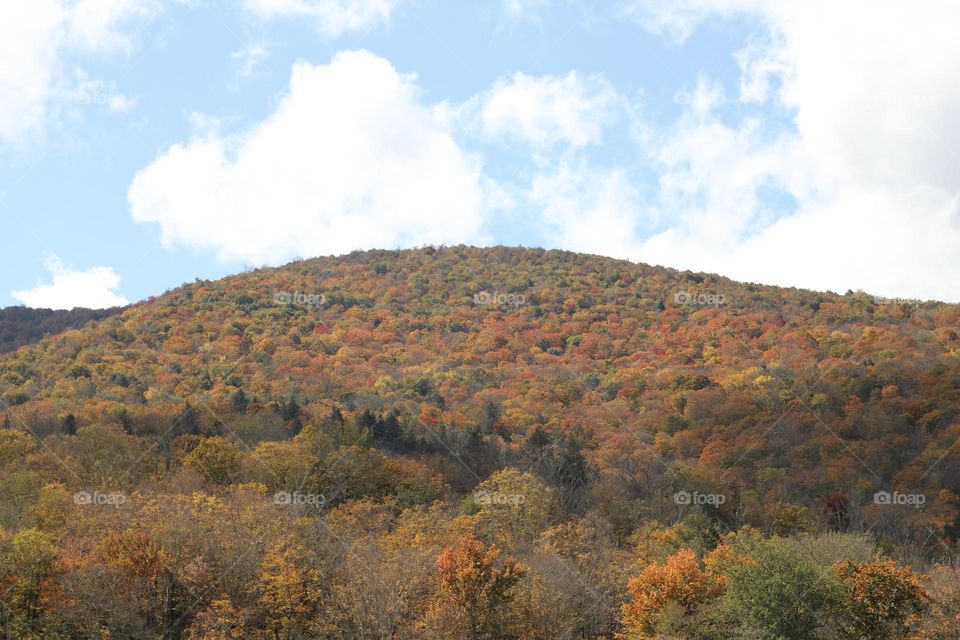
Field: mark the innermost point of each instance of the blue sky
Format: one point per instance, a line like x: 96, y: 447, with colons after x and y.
x: 145, y: 143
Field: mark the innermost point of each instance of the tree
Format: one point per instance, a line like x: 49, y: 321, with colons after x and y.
x: 387, y: 429
x: 104, y: 456
x: 679, y: 581
x: 491, y: 414
x: 773, y: 588
x: 287, y: 466
x: 878, y: 598
x: 356, y: 472
x: 144, y: 577
x: 239, y: 401
x: 941, y: 621
x: 512, y: 507
x: 837, y: 511
x: 188, y: 422
x: 480, y: 451
x: 566, y: 468
x: 478, y: 583
x: 220, y: 621
x: 287, y: 590
x: 290, y: 410
x: 123, y: 418
x: 69, y: 424
x: 15, y: 445
x: 26, y: 566
x: 414, y: 483
x: 216, y: 459
x: 378, y: 585
x: 537, y: 439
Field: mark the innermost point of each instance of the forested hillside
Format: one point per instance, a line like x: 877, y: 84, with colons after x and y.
x: 20, y: 325
x: 485, y: 443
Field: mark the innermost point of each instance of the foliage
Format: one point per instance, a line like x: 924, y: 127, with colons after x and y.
x: 679, y: 581
x: 405, y: 460
x: 478, y: 583
x: 20, y: 325
x: 216, y: 458
x: 879, y: 598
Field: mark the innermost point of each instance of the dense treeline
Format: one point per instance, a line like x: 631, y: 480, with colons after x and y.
x: 499, y: 443
x: 20, y: 325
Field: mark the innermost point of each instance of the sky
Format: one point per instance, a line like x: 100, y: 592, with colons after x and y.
x: 146, y: 143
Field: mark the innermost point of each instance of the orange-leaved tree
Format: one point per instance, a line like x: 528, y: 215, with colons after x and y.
x: 679, y: 581
x: 879, y: 598
x: 477, y: 582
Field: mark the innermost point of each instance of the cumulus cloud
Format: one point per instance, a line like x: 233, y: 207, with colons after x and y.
x: 331, y: 17
x: 868, y: 163
x: 587, y: 209
x: 349, y: 159
x: 37, y: 35
x: 94, y: 288
x: 545, y: 110
x: 102, y: 25
x: 831, y: 165
x: 678, y: 19
x: 26, y: 32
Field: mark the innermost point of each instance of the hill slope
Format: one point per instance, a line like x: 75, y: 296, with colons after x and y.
x: 617, y: 386
x: 20, y: 325
x: 580, y: 345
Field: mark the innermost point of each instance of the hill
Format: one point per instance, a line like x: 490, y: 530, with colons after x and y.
x: 20, y: 325
x: 615, y: 401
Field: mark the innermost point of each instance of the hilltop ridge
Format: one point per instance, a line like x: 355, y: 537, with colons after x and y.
x: 691, y: 365
x: 397, y: 414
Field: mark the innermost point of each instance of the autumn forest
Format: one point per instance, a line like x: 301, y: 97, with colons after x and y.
x: 467, y: 443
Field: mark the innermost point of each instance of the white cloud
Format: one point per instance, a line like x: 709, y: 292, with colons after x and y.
x: 859, y: 190
x: 587, y: 209
x: 102, y: 25
x: 761, y: 62
x: 249, y: 57
x: 548, y: 109
x: 524, y: 9
x: 678, y: 19
x: 27, y: 31
x: 37, y: 35
x: 331, y: 17
x: 350, y: 159
x: 710, y: 173
x: 94, y: 288
x: 870, y: 159
x: 556, y: 122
